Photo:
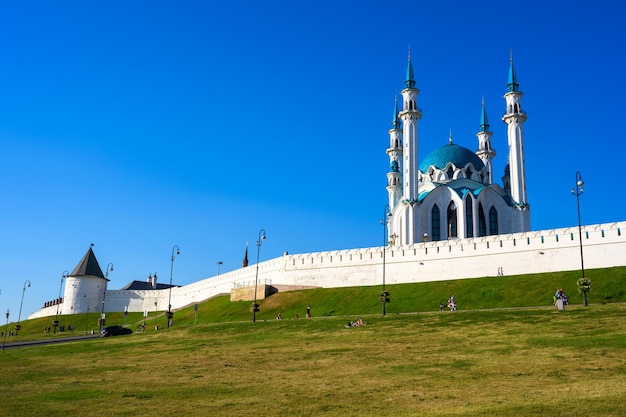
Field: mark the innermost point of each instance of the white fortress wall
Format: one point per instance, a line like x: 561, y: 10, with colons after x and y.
x: 604, y: 245
x: 45, y: 312
x: 518, y: 253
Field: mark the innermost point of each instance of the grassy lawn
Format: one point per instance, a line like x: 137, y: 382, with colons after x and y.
x: 506, y: 352
x: 519, y: 362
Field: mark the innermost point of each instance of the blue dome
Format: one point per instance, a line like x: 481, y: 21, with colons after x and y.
x: 454, y: 153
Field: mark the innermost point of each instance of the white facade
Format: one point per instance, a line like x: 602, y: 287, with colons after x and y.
x: 450, y: 194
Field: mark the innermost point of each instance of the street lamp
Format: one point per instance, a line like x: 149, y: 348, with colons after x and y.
x: 170, y: 315
x: 104, y: 294
x: 87, y: 322
x: 384, y: 295
x: 218, y: 266
x: 6, y: 330
x: 19, y: 316
x: 55, y: 324
x: 578, y: 192
x: 255, y: 306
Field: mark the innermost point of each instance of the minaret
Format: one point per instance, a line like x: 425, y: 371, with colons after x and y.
x: 514, y: 118
x: 485, y: 152
x: 410, y: 115
x: 406, y: 223
x: 394, y: 176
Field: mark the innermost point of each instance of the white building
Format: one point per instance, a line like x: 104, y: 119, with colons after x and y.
x: 451, y: 193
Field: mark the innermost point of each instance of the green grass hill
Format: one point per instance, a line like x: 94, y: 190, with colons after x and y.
x: 608, y: 286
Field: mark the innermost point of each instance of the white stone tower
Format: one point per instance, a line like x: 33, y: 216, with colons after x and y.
x: 84, y: 287
x: 394, y: 176
x: 410, y: 115
x: 515, y: 118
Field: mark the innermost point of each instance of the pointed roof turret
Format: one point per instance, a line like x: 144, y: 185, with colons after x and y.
x: 410, y: 78
x: 88, y: 265
x: 244, y: 263
x: 396, y: 119
x: 512, y: 85
x: 484, y: 123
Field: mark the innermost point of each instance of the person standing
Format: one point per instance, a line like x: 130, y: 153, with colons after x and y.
x: 308, y: 311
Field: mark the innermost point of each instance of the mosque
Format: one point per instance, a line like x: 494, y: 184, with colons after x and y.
x: 451, y: 193
x: 447, y: 219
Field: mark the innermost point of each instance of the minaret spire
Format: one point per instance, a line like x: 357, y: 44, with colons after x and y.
x: 485, y: 152
x: 484, y: 123
x: 410, y: 78
x: 244, y: 263
x: 512, y: 85
x: 395, y: 124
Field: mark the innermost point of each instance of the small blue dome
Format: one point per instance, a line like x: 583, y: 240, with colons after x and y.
x: 454, y: 153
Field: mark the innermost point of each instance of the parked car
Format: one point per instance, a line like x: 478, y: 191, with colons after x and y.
x: 115, y: 331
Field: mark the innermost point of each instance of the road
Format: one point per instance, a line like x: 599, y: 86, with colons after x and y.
x: 50, y: 341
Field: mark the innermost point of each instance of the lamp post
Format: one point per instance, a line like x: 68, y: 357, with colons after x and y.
x: 6, y: 330
x: 384, y: 295
x: 104, y: 294
x: 87, y: 322
x: 218, y: 266
x: 170, y: 315
x: 578, y: 192
x: 55, y: 324
x: 255, y: 306
x: 18, y: 327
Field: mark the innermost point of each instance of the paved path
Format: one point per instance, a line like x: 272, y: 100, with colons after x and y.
x: 49, y: 341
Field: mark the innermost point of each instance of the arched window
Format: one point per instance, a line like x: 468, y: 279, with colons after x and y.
x: 468, y: 173
x: 452, y: 221
x: 493, y: 221
x: 450, y: 172
x: 435, y: 223
x: 482, y: 224
x: 469, y: 217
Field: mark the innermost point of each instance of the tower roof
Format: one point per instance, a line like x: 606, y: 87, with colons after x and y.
x: 395, y: 124
x: 88, y: 265
x: 410, y: 78
x: 512, y: 85
x: 484, y: 123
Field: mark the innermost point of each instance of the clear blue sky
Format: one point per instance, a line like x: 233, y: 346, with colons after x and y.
x: 141, y: 125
